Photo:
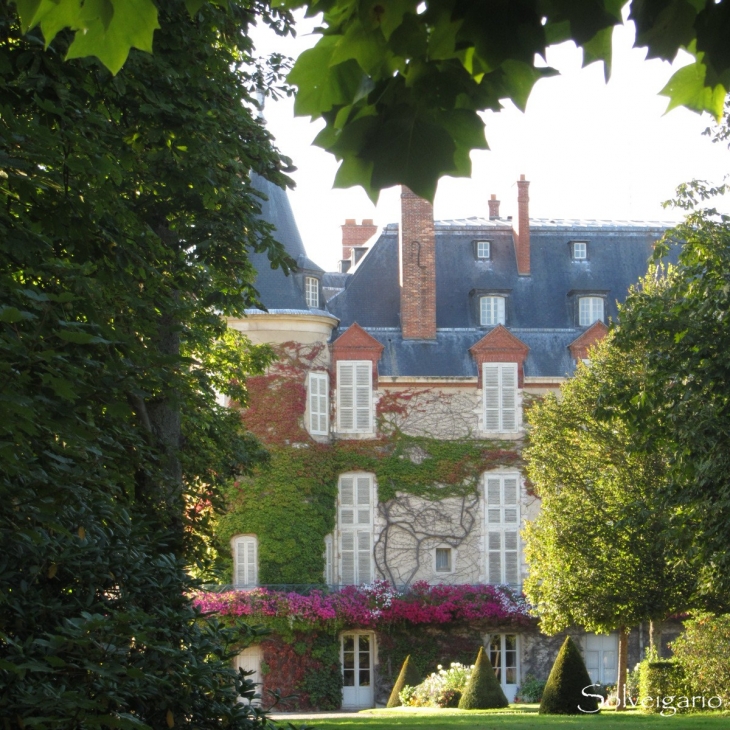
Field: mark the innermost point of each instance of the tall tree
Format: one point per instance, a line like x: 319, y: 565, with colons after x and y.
x: 599, y: 552
x: 391, y: 79
x: 126, y: 215
x: 679, y: 319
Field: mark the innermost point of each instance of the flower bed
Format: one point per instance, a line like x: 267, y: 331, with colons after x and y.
x: 371, y: 606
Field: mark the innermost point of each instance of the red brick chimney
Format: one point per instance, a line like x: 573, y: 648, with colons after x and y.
x: 417, y: 268
x: 493, y: 207
x: 522, y: 234
x: 354, y: 235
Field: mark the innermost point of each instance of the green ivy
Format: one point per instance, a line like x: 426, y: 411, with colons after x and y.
x: 289, y: 503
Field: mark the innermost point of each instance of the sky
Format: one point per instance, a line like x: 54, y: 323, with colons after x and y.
x: 589, y: 150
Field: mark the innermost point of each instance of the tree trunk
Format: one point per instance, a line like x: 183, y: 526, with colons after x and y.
x: 652, y: 638
x: 623, y: 657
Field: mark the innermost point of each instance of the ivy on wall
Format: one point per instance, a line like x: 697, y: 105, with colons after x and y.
x: 289, y: 502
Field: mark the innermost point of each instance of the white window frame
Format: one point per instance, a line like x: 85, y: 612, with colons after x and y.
x: 491, y: 310
x: 318, y: 405
x: 502, y: 491
x: 245, y: 547
x: 579, y: 250
x: 506, y: 658
x: 452, y: 560
x: 354, y: 396
x: 311, y: 291
x: 355, y: 518
x: 484, y: 250
x: 501, y: 409
x: 590, y: 310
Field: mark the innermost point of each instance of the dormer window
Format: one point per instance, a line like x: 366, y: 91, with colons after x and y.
x: 579, y: 250
x: 491, y: 311
x: 311, y: 291
x: 483, y: 249
x: 590, y: 310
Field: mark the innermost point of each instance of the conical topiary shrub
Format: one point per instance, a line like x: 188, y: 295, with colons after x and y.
x: 564, y: 691
x: 408, y: 676
x: 484, y: 692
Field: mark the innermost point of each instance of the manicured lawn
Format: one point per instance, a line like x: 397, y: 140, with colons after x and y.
x: 523, y: 718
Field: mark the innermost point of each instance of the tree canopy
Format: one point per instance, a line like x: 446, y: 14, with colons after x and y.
x: 601, y: 553
x: 126, y: 215
x: 393, y: 79
x: 679, y: 319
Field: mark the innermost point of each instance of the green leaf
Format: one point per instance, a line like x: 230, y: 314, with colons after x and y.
x: 519, y: 78
x: 687, y: 88
x: 194, y: 6
x: 666, y: 31
x: 599, y: 49
x: 80, y: 338
x: 355, y: 171
x: 366, y: 46
x: 13, y: 314
x: 110, y: 39
x: 321, y: 85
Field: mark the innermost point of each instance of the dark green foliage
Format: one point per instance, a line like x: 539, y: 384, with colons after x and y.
x: 484, y: 692
x: 564, y: 691
x: 662, y: 679
x: 125, y: 218
x: 702, y: 652
x: 531, y: 689
x: 408, y: 675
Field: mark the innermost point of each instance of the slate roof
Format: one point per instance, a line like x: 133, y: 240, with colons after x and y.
x: 541, y: 309
x: 276, y: 289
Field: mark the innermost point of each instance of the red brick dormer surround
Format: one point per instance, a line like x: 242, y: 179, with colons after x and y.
x: 356, y: 344
x: 500, y: 345
x: 580, y: 346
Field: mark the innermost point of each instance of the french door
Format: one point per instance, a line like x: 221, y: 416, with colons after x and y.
x: 357, y: 655
x: 505, y: 660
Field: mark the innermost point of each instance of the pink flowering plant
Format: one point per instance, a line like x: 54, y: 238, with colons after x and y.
x: 368, y: 606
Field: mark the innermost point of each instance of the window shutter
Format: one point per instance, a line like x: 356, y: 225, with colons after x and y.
x: 246, y: 562
x: 363, y: 557
x: 509, y: 397
x: 502, y: 525
x: 363, y: 399
x: 363, y: 500
x: 490, y: 378
x: 347, y: 556
x: 328, y: 560
x: 347, y: 501
x: 511, y: 568
x: 318, y: 409
x: 240, y: 563
x: 494, y: 559
x: 345, y: 396
x: 354, y: 396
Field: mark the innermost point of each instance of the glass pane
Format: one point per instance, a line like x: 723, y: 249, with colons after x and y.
x: 364, y: 677
x: 510, y: 642
x: 348, y: 677
x: 364, y: 642
x: 511, y: 675
x: 443, y: 560
x: 364, y: 660
x: 348, y: 642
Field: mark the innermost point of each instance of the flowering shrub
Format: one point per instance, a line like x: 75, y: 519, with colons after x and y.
x: 443, y: 688
x: 372, y: 605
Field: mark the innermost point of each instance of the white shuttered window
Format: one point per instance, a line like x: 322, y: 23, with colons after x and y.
x: 328, y: 564
x: 318, y: 404
x: 354, y: 396
x: 245, y: 561
x: 499, y: 382
x: 356, y: 528
x: 502, y: 529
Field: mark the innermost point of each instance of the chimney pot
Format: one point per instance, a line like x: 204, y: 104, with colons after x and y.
x: 522, y: 234
x: 493, y: 207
